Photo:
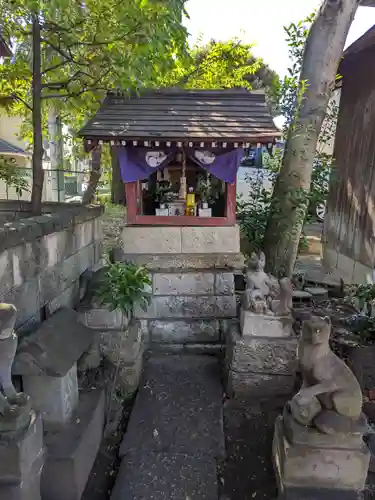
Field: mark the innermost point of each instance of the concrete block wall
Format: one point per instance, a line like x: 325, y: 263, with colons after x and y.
x: 42, y: 259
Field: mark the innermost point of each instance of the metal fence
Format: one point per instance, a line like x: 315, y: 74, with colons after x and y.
x: 59, y: 185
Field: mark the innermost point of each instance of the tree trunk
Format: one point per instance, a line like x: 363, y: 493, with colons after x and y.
x: 89, y: 194
x: 56, y: 150
x: 323, y: 51
x: 38, y: 174
x: 117, y: 186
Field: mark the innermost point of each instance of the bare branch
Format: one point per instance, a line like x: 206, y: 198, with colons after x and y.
x: 56, y: 66
x: 18, y: 98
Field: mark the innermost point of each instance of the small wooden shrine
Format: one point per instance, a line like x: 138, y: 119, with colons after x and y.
x: 179, y: 151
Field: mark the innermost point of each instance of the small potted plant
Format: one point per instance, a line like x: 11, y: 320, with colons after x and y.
x: 163, y: 195
x: 205, y: 195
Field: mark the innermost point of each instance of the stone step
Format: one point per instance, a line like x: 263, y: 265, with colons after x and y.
x: 175, y: 434
x: 185, y: 332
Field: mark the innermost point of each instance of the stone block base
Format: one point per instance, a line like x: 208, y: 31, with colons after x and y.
x: 55, y: 397
x: 259, y: 325
x: 21, y: 463
x: 241, y: 385
x: 71, y: 453
x: 259, y: 367
x: 317, y: 468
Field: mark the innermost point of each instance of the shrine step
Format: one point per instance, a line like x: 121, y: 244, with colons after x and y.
x: 175, y: 441
x: 197, y: 336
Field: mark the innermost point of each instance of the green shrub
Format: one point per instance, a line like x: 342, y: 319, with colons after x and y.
x: 125, y: 285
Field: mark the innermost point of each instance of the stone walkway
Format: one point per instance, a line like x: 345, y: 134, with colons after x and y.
x: 174, y: 445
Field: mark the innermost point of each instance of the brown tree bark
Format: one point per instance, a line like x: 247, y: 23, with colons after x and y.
x: 37, y: 161
x: 89, y: 194
x: 117, y: 186
x: 323, y: 51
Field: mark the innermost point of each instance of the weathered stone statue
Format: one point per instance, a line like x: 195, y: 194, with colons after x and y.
x: 318, y: 450
x: 264, y: 294
x: 258, y: 279
x: 256, y: 302
x: 330, y: 398
x: 15, y: 407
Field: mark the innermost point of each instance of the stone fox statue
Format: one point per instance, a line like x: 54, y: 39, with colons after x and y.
x: 10, y: 400
x: 330, y: 397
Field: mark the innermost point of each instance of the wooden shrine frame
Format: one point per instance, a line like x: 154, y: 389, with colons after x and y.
x: 134, y: 218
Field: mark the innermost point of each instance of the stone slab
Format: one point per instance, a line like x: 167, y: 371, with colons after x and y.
x: 302, y: 466
x: 259, y: 325
x: 258, y: 385
x: 161, y: 240
x: 162, y: 476
x: 71, y: 453
x: 317, y: 292
x: 176, y: 262
x: 55, y: 397
x: 262, y: 355
x: 102, y: 318
x: 224, y: 284
x: 184, y: 283
x: 55, y: 347
x: 178, y: 408
x: 204, y: 348
x: 182, y: 331
x: 180, y: 307
x: 203, y: 240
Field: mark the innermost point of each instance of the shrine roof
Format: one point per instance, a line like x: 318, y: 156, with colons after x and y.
x: 175, y: 114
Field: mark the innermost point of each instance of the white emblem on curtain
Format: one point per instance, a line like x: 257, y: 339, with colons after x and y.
x: 204, y: 157
x: 155, y: 158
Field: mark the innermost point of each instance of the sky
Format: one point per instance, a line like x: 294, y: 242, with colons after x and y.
x: 261, y: 22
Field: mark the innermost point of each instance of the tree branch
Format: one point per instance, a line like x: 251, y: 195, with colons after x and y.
x: 56, y: 66
x: 18, y: 98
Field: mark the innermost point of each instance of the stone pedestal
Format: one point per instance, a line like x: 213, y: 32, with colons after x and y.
x: 311, y: 465
x: 55, y: 397
x: 73, y: 426
x: 259, y: 325
x: 260, y: 357
x: 192, y: 283
x: 21, y: 463
x: 71, y: 452
x: 121, y: 341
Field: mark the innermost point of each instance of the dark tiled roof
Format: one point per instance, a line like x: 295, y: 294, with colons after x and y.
x: 233, y: 114
x: 8, y: 148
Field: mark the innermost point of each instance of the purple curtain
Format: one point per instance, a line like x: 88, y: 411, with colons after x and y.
x: 224, y: 166
x: 139, y: 163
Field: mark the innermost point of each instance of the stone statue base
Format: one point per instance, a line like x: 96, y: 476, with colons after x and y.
x: 21, y: 462
x: 309, y: 464
x: 16, y: 418
x: 263, y: 325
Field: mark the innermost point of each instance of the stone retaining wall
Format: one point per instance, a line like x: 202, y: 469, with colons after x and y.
x: 42, y: 259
